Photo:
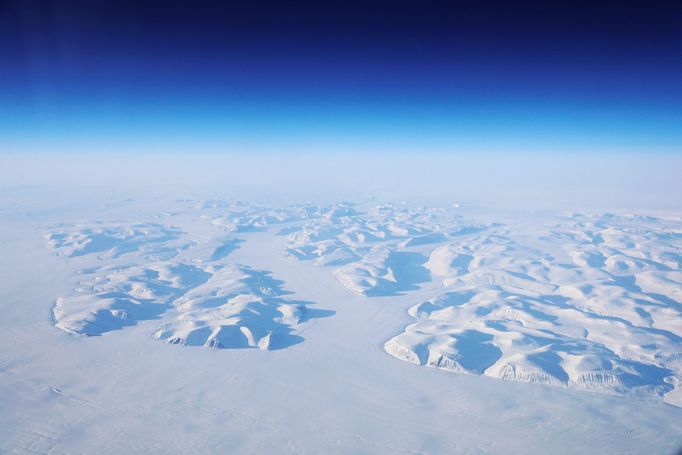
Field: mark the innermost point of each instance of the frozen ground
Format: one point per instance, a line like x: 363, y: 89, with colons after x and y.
x: 209, y: 307
x: 369, y: 324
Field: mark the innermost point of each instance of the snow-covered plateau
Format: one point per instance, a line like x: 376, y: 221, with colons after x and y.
x: 191, y: 325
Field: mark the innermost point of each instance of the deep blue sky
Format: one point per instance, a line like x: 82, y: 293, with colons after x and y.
x: 416, y: 76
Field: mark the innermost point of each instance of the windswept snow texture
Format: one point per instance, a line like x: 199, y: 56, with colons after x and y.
x: 589, y: 302
x: 583, y: 301
x: 369, y: 248
x: 237, y: 307
x: 154, y: 240
x: 210, y: 303
x: 121, y: 297
x: 242, y: 217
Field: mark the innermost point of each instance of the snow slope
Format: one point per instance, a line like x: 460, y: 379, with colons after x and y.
x: 159, y: 301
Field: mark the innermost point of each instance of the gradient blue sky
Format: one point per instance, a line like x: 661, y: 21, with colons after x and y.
x: 385, y: 76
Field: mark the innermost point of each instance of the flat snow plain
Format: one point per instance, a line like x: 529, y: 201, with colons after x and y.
x: 224, y: 326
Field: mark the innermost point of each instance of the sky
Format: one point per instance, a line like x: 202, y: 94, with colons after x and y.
x: 322, y: 77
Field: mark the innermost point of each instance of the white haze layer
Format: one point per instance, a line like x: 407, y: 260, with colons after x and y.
x: 340, y: 303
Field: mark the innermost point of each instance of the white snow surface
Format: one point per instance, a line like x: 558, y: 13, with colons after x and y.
x: 220, y: 326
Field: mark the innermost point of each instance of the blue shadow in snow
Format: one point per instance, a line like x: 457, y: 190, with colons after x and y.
x: 408, y: 271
